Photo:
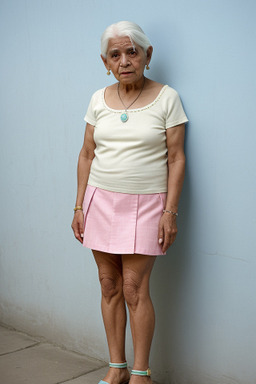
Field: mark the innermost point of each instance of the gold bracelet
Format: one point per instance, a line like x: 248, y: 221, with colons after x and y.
x: 78, y: 208
x: 173, y: 213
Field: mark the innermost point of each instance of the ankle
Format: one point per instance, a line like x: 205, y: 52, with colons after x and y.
x: 140, y: 380
x: 140, y: 376
x: 116, y: 375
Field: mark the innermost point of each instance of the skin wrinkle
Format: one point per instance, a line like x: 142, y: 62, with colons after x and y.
x: 111, y: 285
x: 129, y: 287
x: 127, y: 60
x: 132, y: 288
x: 131, y: 292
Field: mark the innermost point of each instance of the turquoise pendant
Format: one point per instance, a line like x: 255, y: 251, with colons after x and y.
x: 124, y: 117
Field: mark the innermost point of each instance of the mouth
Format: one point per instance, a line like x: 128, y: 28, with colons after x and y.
x: 125, y: 73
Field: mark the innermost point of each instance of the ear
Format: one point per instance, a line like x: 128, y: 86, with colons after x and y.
x: 105, y: 62
x: 149, y: 54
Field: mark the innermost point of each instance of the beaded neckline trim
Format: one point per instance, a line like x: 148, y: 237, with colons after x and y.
x: 136, y: 109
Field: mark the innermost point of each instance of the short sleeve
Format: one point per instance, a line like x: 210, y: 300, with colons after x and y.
x: 90, y: 114
x: 175, y: 113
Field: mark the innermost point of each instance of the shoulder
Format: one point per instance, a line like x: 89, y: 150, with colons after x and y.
x: 170, y: 92
x: 96, y: 98
x: 169, y: 96
x: 151, y: 91
x: 161, y: 91
x: 110, y: 90
x: 98, y: 93
x: 94, y: 104
x: 153, y: 86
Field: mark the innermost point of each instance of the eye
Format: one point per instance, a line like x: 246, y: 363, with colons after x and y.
x: 114, y: 55
x: 132, y: 52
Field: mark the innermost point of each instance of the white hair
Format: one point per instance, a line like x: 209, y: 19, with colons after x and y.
x: 121, y: 29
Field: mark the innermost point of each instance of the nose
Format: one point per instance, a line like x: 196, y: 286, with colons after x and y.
x: 124, y: 60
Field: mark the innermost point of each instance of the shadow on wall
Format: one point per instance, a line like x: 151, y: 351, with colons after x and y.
x: 171, y: 292
x: 170, y: 283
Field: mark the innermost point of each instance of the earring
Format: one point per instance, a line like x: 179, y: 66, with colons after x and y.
x: 108, y: 72
x: 147, y: 67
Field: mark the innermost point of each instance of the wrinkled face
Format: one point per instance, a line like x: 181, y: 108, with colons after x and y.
x: 125, y: 60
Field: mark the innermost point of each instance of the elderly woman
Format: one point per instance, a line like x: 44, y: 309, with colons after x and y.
x: 130, y: 176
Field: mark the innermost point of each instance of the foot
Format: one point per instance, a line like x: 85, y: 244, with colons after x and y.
x: 140, y: 380
x: 117, y: 376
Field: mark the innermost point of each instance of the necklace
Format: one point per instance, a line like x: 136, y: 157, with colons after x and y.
x: 124, y: 117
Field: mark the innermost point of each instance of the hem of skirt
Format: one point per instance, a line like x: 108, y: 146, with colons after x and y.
x: 124, y: 252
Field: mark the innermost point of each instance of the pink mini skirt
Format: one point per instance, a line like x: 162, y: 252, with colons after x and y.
x: 122, y: 223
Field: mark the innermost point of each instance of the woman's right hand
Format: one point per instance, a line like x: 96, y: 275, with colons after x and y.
x: 78, y: 225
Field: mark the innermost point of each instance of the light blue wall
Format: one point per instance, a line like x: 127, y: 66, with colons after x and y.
x: 204, y: 290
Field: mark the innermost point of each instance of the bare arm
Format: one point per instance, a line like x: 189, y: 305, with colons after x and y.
x: 176, y: 171
x: 83, y: 169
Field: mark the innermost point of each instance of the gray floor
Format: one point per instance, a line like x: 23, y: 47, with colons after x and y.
x: 28, y: 360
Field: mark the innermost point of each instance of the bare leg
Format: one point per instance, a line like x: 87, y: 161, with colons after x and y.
x: 113, y: 311
x: 136, y: 274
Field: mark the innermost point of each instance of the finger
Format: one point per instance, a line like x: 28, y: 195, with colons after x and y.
x: 173, y: 237
x: 168, y: 238
x: 160, y: 235
x: 166, y: 246
x: 170, y: 241
x: 77, y: 233
x: 80, y: 239
x: 166, y: 242
x: 78, y: 226
x: 81, y: 229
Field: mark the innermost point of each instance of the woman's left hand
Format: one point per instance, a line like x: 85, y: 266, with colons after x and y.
x: 167, y: 230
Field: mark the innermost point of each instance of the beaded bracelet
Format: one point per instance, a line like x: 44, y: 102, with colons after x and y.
x: 173, y: 213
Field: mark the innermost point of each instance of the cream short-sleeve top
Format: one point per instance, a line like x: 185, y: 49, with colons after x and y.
x: 131, y: 157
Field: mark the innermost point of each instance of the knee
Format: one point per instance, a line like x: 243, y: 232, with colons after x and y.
x: 131, y: 287
x: 110, y: 286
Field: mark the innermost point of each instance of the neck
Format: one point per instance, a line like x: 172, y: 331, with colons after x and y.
x: 130, y: 88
